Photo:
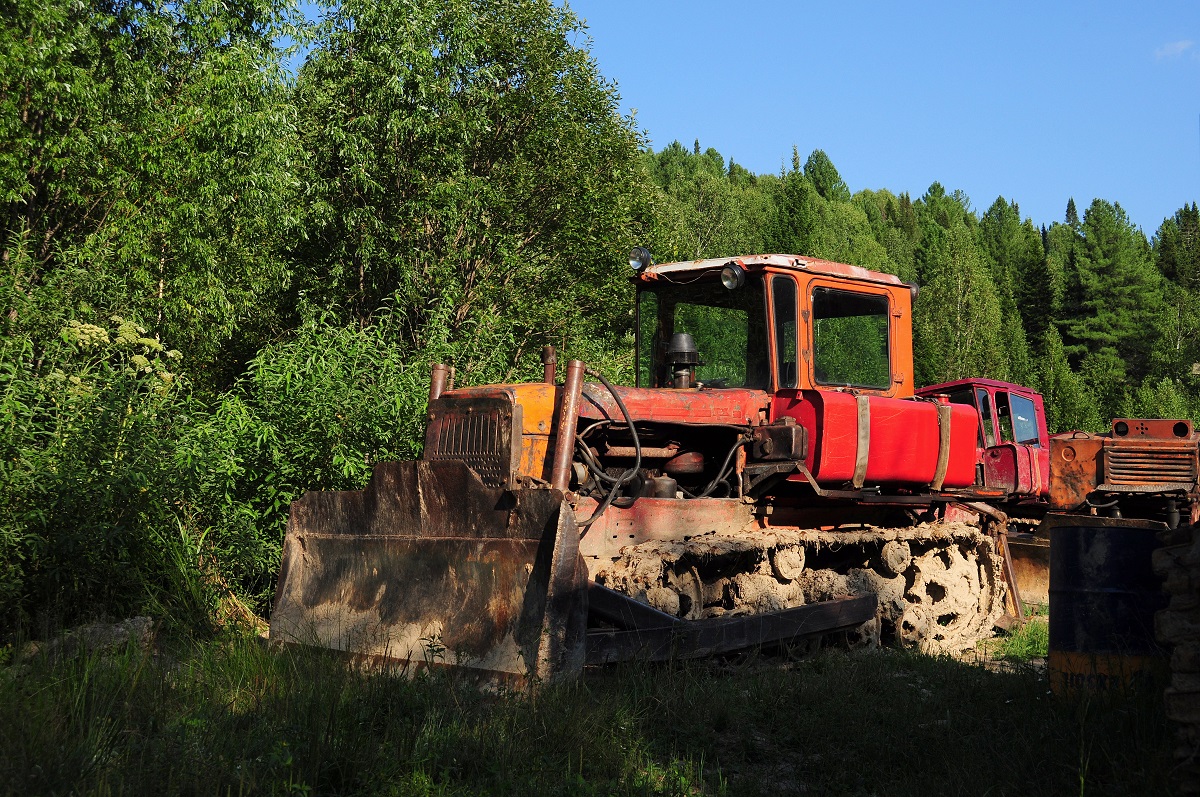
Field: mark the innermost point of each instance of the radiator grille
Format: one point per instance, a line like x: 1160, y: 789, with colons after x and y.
x: 477, y: 432
x: 1146, y: 466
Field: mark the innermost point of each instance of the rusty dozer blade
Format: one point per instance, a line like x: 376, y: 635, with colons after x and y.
x: 1030, y: 557
x: 428, y: 567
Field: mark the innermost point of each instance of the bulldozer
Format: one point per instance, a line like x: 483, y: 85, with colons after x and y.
x: 772, y: 476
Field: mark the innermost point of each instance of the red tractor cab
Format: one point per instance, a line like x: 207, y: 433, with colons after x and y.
x: 1013, y: 441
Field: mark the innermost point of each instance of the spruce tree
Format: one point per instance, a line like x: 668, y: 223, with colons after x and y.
x: 1069, y: 405
x: 1114, y: 291
x: 821, y: 172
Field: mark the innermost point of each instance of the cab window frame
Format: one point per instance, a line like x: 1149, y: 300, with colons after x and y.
x: 820, y: 288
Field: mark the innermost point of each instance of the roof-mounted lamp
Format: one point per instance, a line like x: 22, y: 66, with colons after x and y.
x: 733, y: 276
x: 640, y: 258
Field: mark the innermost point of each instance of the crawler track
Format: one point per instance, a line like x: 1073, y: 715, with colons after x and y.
x: 939, y: 585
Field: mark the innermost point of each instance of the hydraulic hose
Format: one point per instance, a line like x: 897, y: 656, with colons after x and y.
x: 723, y: 471
x: 628, y: 475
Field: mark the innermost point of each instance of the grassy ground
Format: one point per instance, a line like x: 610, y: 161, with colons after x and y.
x: 1030, y: 640
x: 234, y: 717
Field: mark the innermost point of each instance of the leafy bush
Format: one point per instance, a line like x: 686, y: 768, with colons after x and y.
x: 313, y: 413
x: 89, y: 421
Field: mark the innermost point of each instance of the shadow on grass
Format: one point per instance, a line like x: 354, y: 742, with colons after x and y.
x: 234, y: 717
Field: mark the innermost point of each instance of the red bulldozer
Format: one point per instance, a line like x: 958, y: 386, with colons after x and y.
x: 772, y: 476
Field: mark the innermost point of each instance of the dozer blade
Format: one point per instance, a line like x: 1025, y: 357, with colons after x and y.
x: 429, y: 567
x: 1031, y: 564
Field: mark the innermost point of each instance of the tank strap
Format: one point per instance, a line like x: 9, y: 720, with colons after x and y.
x: 864, y: 440
x: 943, y: 462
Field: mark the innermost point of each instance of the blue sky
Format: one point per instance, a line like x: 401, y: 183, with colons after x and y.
x: 1035, y: 102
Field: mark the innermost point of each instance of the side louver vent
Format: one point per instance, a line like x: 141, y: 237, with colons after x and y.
x: 1149, y: 468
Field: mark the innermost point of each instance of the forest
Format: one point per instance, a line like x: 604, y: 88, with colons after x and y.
x: 225, y: 275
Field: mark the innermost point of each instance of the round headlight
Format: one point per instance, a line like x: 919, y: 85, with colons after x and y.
x: 640, y: 258
x: 733, y: 276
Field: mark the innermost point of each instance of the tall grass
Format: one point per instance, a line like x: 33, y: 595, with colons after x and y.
x: 234, y: 717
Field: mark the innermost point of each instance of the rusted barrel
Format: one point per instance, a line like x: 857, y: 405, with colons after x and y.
x: 1103, y: 596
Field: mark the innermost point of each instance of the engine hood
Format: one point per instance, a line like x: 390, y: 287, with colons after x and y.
x: 737, y: 406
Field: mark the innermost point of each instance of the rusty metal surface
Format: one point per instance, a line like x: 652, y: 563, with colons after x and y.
x: 661, y: 519
x: 648, y: 452
x: 1074, y: 469
x: 549, y: 362
x: 479, y: 432
x: 1030, y: 557
x: 437, y: 380
x: 1160, y: 428
x: 697, y: 638
x: 429, y: 566
x: 1153, y: 465
x: 568, y: 417
x: 1141, y: 456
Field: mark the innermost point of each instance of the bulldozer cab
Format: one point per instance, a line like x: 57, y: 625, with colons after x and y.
x: 774, y: 323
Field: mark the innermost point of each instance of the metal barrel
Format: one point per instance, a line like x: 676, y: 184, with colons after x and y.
x: 1103, y: 597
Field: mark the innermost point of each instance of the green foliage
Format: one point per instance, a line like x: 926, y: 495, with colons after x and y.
x: 1069, y: 405
x: 313, y: 413
x: 1015, y: 251
x: 1177, y: 251
x: 468, y: 165
x: 1105, y: 381
x: 822, y: 220
x: 957, y: 319
x: 89, y: 420
x: 708, y: 211
x: 824, y: 177
x: 148, y: 167
x: 1114, y: 291
x: 1160, y: 399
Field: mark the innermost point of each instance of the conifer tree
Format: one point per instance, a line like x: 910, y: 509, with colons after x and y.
x: 821, y: 172
x: 1072, y: 216
x: 1069, y: 404
x: 1114, y: 291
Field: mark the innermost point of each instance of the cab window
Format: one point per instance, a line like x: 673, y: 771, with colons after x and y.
x: 850, y: 339
x: 985, y: 416
x: 783, y: 294
x: 1018, y: 418
x: 729, y: 329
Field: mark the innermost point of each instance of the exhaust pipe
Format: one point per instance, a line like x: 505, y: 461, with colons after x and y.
x: 568, y: 417
x: 549, y: 362
x: 438, y: 380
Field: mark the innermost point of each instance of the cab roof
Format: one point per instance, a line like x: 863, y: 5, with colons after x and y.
x: 751, y: 263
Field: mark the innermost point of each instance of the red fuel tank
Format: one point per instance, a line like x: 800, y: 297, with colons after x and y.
x: 903, y: 439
